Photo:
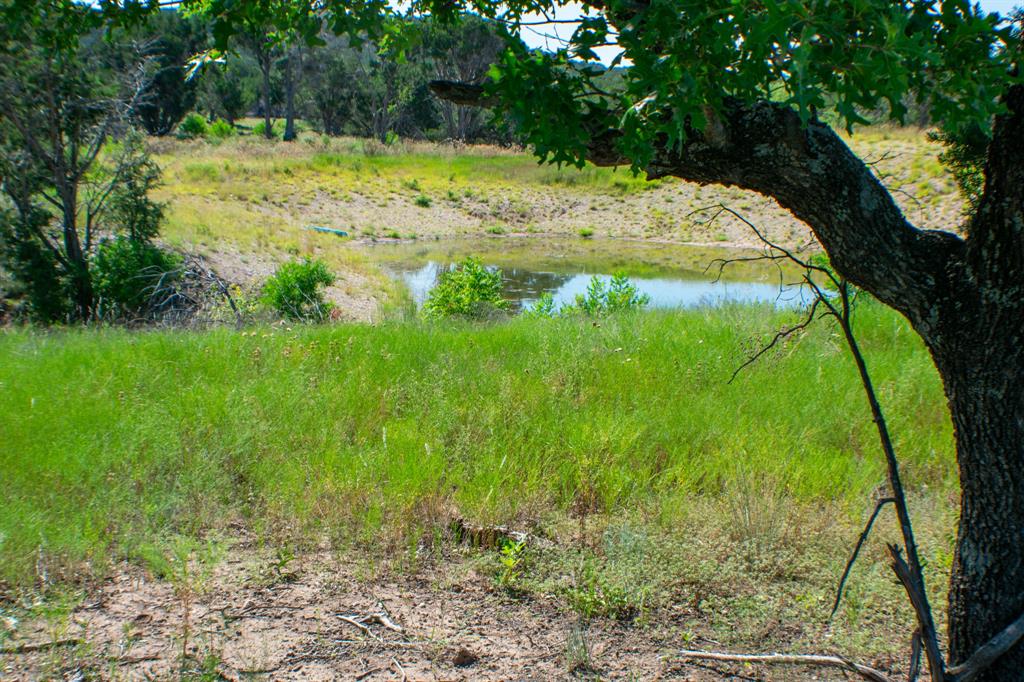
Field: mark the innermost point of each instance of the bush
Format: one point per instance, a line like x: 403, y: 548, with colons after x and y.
x: 423, y: 201
x: 32, y: 278
x: 587, y: 232
x: 468, y: 290
x: 130, y: 211
x: 276, y: 129
x: 294, y: 291
x: 194, y: 125
x: 544, y: 307
x: 129, y: 275
x: 221, y: 130
x: 601, y: 299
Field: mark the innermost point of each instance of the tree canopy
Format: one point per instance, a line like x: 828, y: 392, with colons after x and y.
x: 687, y: 58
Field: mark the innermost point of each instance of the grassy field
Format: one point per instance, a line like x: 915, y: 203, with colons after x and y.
x: 664, y: 499
x: 119, y: 444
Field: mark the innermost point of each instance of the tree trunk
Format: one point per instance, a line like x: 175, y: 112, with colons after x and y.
x: 981, y: 361
x: 984, y: 380
x: 81, y: 282
x: 289, y: 84
x: 265, y: 63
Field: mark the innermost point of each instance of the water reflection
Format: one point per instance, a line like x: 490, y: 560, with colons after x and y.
x: 523, y: 286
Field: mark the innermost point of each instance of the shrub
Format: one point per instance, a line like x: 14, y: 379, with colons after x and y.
x: 194, y: 125
x: 128, y: 275
x: 586, y: 232
x: 544, y: 307
x: 221, y: 129
x: 295, y: 290
x: 468, y: 290
x: 276, y: 129
x: 130, y: 211
x: 423, y: 201
x: 34, y: 279
x: 601, y: 299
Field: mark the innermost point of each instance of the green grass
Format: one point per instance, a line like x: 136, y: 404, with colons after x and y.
x: 378, y: 433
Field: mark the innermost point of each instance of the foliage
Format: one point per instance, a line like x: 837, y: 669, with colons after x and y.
x: 461, y: 52
x: 35, y: 273
x: 276, y: 130
x: 194, y: 125
x: 326, y: 84
x: 294, y: 291
x: 467, y: 290
x: 544, y: 307
x: 511, y: 556
x: 603, y: 298
x: 129, y: 275
x: 595, y: 596
x: 170, y: 41
x: 965, y: 157
x: 129, y: 209
x: 221, y: 130
x: 226, y: 91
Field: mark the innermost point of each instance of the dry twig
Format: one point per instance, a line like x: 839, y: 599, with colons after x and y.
x: 790, y: 659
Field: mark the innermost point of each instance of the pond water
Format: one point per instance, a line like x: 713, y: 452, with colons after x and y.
x: 672, y: 275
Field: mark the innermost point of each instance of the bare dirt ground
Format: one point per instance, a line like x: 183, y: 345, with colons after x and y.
x: 331, y: 619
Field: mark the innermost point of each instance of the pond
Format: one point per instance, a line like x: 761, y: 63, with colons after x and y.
x: 672, y: 275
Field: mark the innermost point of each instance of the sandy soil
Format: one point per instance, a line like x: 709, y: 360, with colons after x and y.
x: 248, y: 622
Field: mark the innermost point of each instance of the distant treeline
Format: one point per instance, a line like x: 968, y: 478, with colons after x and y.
x: 335, y: 88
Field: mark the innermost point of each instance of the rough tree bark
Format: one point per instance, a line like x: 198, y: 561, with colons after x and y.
x: 963, y: 295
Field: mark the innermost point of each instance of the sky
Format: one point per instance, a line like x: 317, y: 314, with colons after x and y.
x: 547, y: 36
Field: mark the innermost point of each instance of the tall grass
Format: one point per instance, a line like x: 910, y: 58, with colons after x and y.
x: 110, y: 438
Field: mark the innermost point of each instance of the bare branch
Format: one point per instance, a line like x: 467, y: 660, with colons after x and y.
x: 919, y: 600
x: 790, y: 659
x: 856, y: 550
x: 781, y: 335
x: 915, y: 656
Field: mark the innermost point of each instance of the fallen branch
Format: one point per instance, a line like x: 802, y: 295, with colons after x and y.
x: 790, y: 659
x: 380, y: 618
x: 30, y: 647
x: 401, y: 670
x: 356, y: 623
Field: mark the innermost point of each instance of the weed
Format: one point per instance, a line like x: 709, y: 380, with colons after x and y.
x: 577, y: 650
x: 586, y: 232
x: 511, y: 572
x: 423, y: 201
x: 595, y: 596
